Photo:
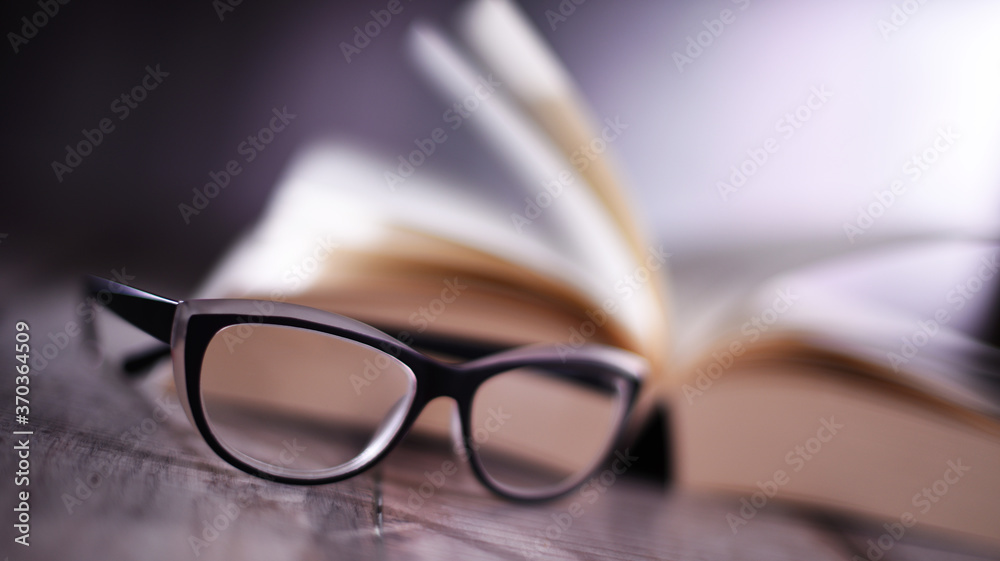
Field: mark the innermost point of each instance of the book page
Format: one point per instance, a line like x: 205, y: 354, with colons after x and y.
x: 907, y: 315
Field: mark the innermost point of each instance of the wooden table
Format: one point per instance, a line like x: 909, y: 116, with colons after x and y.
x: 116, y: 475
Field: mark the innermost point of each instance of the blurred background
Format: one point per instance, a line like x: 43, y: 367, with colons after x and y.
x: 844, y: 99
x: 758, y: 136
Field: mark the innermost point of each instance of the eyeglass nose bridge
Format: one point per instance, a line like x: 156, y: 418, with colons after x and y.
x: 459, y: 382
x: 456, y: 381
x: 437, y: 379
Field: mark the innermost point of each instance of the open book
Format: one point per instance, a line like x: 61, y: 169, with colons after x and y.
x: 787, y: 393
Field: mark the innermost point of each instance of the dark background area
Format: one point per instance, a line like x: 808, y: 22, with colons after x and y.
x: 119, y: 207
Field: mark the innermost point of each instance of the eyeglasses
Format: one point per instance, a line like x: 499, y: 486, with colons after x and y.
x: 303, y: 396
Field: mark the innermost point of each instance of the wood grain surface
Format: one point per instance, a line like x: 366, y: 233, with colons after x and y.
x: 116, y: 474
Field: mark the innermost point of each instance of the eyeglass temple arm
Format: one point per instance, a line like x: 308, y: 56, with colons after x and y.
x: 149, y: 312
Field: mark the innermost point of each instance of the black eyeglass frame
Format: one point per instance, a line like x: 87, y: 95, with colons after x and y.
x: 188, y: 326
